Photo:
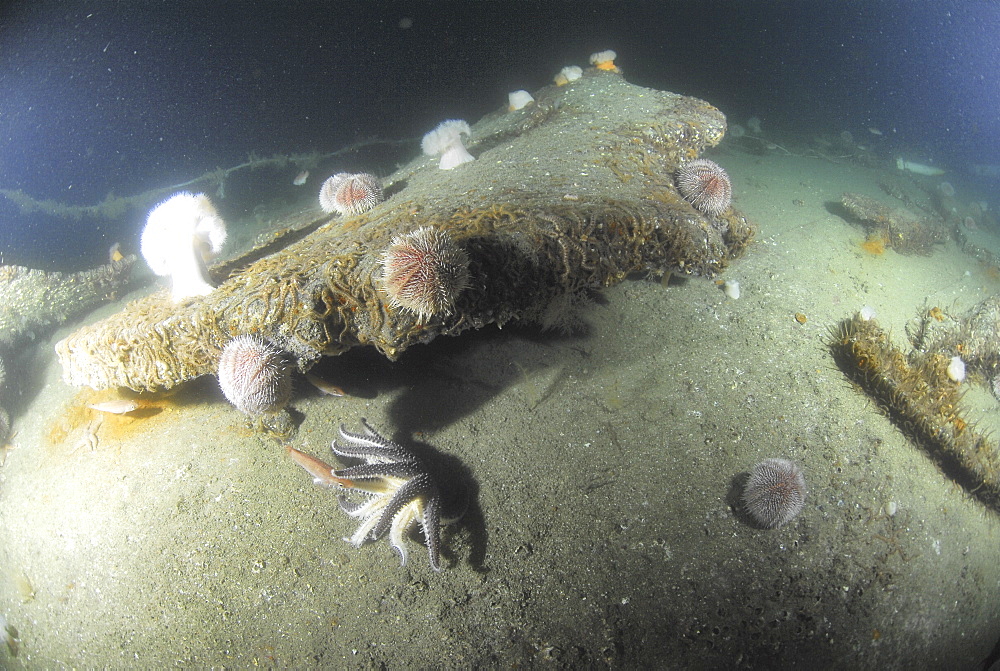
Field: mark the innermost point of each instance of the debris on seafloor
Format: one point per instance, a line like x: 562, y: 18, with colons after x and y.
x: 571, y: 193
x: 34, y: 301
x: 895, y: 228
x: 922, y: 391
x: 975, y: 336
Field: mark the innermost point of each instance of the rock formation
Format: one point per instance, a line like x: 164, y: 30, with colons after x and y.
x: 572, y: 193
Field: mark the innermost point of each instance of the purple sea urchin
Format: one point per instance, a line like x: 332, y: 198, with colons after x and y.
x: 705, y: 185
x: 775, y: 492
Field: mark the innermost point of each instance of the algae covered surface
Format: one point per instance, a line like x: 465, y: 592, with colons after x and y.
x: 572, y: 192
x: 599, y: 472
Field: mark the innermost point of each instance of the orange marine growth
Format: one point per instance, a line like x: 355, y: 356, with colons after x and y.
x: 874, y: 244
x: 604, y: 60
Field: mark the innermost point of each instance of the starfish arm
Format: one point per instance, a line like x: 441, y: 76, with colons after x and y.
x: 366, y: 508
x: 400, y: 523
x: 364, y: 532
x: 369, y: 445
x: 431, y: 522
x: 378, y: 472
x: 417, y: 489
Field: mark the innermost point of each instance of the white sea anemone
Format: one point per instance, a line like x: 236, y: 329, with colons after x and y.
x: 183, y: 233
x: 446, y: 140
x: 518, y: 99
x: 956, y: 369
x: 604, y: 60
x: 867, y: 313
x: 568, y: 74
x: 732, y: 289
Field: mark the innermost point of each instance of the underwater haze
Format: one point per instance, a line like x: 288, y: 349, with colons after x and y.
x: 120, y: 98
x: 372, y: 335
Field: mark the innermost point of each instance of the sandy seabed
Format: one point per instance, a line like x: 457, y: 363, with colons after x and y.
x: 602, y: 470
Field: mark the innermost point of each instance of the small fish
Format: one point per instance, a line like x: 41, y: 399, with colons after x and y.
x: 119, y: 406
x: 918, y: 168
x: 322, y: 472
x: 301, y: 178
x: 115, y: 253
x: 8, y: 635
x: 324, y: 386
x: 24, y: 587
x: 874, y: 131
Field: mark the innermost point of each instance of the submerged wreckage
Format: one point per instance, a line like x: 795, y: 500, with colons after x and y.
x: 572, y: 192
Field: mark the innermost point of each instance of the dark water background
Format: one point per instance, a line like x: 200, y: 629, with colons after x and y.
x: 122, y: 97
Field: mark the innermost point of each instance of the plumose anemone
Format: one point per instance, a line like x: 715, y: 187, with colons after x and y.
x: 568, y: 74
x: 518, y: 99
x: 446, y: 140
x: 182, y: 233
x: 604, y: 60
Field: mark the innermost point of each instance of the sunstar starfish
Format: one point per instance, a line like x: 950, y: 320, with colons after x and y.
x: 401, y: 488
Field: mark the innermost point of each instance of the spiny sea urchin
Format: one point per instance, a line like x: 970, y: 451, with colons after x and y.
x: 254, y: 376
x: 424, y: 271
x: 349, y: 194
x: 775, y: 492
x: 705, y: 185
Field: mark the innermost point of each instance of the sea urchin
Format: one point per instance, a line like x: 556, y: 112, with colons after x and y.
x: 349, y: 194
x: 254, y: 376
x: 424, y: 271
x: 775, y: 492
x: 705, y: 185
